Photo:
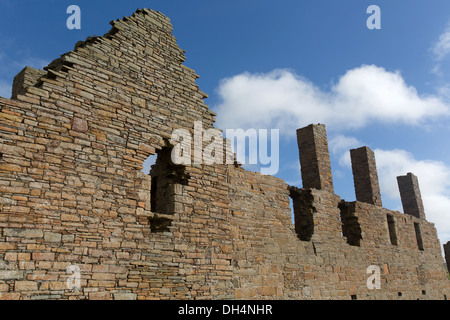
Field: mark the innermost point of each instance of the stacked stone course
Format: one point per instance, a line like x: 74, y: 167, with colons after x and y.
x: 74, y: 138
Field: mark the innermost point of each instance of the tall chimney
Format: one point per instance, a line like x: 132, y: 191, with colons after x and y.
x: 410, y: 195
x: 314, y: 157
x: 365, y: 177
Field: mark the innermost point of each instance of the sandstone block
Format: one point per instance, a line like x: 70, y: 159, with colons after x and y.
x: 79, y: 125
x: 26, y: 286
x: 52, y: 237
x: 23, y: 233
x: 125, y: 296
x: 11, y: 274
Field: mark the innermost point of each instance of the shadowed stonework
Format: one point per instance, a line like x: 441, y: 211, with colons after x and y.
x: 74, y: 138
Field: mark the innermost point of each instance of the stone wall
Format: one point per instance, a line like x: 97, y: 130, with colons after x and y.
x: 327, y: 253
x: 73, y: 142
x: 72, y: 191
x: 447, y: 255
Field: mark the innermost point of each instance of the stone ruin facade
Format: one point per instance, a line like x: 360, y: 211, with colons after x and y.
x: 74, y: 138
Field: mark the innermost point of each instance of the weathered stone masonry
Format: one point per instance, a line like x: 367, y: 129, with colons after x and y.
x: 73, y: 141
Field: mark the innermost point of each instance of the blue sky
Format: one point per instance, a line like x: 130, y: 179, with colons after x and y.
x: 290, y: 63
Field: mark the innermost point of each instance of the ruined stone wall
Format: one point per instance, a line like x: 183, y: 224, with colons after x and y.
x: 72, y: 191
x: 270, y: 261
x: 73, y: 142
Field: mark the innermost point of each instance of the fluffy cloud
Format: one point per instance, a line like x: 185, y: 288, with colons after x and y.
x: 442, y: 47
x: 341, y: 145
x: 283, y: 100
x: 440, y: 50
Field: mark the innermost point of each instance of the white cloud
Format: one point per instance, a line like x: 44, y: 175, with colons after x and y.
x: 442, y: 47
x: 281, y: 99
x: 434, y: 182
x: 295, y: 177
x: 440, y: 50
x: 444, y: 92
x: 341, y: 145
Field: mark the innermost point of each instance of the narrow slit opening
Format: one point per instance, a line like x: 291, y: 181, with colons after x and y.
x: 392, y: 231
x: 418, y: 236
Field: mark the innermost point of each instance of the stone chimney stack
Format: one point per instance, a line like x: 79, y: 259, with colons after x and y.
x: 410, y: 195
x: 365, y: 177
x: 314, y: 157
